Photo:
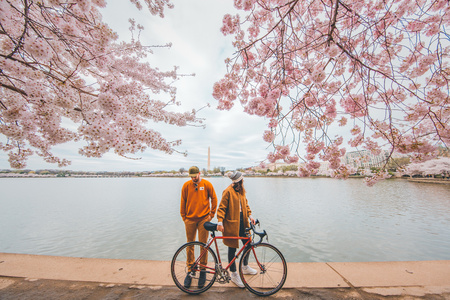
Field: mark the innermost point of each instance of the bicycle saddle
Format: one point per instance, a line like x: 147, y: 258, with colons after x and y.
x: 210, y: 226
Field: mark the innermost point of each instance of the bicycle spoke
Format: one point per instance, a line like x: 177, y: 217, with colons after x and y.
x: 187, y: 276
x: 271, y: 278
x: 271, y: 270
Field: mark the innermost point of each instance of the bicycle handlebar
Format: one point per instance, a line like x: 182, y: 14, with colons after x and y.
x: 260, y: 234
x: 213, y: 227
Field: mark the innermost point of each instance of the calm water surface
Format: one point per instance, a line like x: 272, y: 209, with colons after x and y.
x: 309, y: 220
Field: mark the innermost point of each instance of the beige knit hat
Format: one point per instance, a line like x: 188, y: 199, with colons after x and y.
x: 236, y: 176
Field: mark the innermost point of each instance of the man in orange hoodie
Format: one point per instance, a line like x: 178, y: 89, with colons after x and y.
x: 198, y: 205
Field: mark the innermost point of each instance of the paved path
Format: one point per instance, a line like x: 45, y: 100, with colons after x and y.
x: 420, y: 279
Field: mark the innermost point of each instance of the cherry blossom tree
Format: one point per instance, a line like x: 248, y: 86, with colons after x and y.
x: 378, y: 70
x: 65, y: 77
x: 439, y: 166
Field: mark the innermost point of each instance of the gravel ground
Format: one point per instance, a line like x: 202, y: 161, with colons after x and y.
x: 32, y: 289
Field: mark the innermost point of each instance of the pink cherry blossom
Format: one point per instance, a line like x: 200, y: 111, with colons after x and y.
x: 269, y: 136
x: 370, y: 181
x: 283, y: 151
x: 291, y: 159
x: 61, y: 62
x: 381, y: 66
x: 273, y: 123
x: 342, y: 121
x: 440, y: 166
x: 230, y: 24
x: 315, y: 147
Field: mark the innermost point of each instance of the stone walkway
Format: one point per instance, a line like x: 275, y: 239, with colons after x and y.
x: 362, y: 280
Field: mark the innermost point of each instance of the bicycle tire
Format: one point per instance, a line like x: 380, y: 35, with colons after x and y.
x: 271, y: 269
x: 179, y: 269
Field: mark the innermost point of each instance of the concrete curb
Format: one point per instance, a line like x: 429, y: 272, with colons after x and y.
x: 373, y: 276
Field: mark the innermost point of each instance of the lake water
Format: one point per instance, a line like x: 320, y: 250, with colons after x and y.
x: 308, y: 219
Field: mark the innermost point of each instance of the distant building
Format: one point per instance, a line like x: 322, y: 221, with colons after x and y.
x: 365, y: 159
x: 276, y: 165
x: 358, y: 159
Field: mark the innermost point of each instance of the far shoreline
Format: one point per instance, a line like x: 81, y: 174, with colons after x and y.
x: 167, y: 175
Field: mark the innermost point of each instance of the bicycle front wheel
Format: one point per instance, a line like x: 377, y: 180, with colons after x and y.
x: 270, y: 267
x: 186, y: 273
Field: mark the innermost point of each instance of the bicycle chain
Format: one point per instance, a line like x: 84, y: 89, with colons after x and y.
x: 222, y: 275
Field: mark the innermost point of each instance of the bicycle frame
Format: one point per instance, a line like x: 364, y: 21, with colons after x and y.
x: 214, y: 240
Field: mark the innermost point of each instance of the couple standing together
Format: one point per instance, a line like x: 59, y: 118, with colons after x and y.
x: 198, y: 206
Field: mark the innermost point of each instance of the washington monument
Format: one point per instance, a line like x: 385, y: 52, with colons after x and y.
x: 209, y: 159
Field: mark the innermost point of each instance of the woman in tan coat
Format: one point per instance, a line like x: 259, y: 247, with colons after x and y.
x: 233, y: 216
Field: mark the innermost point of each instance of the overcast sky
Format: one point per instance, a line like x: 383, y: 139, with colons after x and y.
x: 198, y: 46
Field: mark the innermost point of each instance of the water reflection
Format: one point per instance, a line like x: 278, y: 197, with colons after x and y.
x: 309, y: 219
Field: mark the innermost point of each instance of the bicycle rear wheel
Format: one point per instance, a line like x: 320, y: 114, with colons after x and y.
x: 180, y: 270
x: 270, y: 266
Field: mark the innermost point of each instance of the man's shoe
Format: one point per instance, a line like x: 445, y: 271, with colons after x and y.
x: 188, y: 280
x: 202, y: 279
x: 236, y: 279
x: 246, y: 270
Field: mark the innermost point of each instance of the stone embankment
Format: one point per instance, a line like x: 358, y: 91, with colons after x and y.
x: 49, y: 277
x: 430, y: 180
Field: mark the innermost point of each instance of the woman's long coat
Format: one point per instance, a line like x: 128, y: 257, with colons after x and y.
x: 229, y: 214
